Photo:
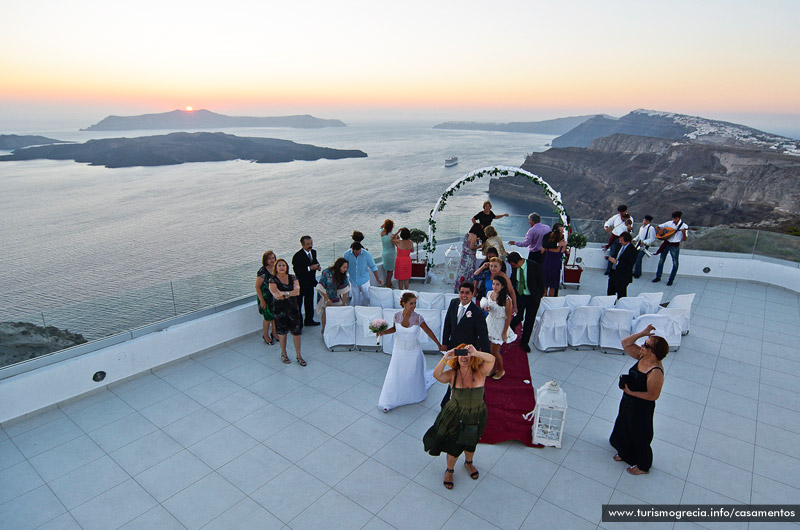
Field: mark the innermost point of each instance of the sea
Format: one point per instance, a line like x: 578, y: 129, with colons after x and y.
x: 99, y: 251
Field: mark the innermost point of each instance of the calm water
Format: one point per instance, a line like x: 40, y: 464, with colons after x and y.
x: 72, y: 233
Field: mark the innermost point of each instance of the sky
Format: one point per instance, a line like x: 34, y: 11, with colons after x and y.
x: 500, y: 60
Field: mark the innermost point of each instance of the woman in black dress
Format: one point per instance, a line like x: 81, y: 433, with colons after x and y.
x: 633, y: 430
x: 285, y: 290
x: 265, y: 300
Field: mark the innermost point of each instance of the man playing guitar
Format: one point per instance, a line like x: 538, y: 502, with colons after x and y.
x: 673, y: 233
x: 642, y: 242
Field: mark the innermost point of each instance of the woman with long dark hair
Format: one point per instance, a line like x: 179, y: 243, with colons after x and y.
x: 388, y: 251
x: 553, y: 247
x: 402, y: 264
x: 498, y: 324
x: 466, y: 267
x: 333, y: 287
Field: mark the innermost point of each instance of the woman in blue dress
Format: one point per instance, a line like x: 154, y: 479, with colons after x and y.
x: 388, y: 251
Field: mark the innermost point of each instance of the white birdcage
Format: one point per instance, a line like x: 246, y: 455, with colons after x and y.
x: 549, y: 415
x: 452, y: 258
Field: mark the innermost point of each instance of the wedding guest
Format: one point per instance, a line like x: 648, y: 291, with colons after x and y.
x: 621, y: 267
x: 633, y: 428
x: 554, y: 245
x: 621, y: 222
x: 466, y: 267
x: 528, y: 282
x: 265, y: 300
x: 285, y: 289
x: 533, y: 239
x: 402, y: 265
x: 642, y: 241
x: 498, y: 304
x: 388, y: 251
x: 305, y: 266
x: 486, y: 216
x: 462, y: 420
x: 495, y: 268
x: 361, y: 262
x: 333, y: 287
x: 671, y: 246
x: 493, y: 241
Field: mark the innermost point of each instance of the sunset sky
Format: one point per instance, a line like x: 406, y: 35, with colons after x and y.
x: 502, y: 60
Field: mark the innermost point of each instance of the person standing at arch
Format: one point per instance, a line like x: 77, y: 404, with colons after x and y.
x: 533, y: 239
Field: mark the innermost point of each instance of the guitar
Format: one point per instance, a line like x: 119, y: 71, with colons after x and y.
x: 665, y: 233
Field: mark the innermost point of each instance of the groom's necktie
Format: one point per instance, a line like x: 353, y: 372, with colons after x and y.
x: 461, y: 310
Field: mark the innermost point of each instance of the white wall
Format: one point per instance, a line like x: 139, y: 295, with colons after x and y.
x: 37, y: 389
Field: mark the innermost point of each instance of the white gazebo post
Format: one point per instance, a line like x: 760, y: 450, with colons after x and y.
x: 548, y: 420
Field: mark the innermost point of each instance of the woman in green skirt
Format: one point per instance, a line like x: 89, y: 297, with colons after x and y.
x: 265, y: 300
x: 461, y: 422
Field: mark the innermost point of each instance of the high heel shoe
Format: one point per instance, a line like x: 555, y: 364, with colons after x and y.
x: 269, y: 342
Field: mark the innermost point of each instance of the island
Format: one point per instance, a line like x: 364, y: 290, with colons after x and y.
x: 180, y: 148
x: 556, y: 126
x: 10, y: 142
x: 205, y: 119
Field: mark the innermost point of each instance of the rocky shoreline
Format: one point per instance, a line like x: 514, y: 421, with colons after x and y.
x: 21, y: 341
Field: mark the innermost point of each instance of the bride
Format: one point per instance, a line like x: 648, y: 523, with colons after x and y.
x: 406, y: 381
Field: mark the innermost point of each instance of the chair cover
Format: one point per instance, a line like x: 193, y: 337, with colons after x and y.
x: 428, y: 300
x: 340, y: 327
x: 615, y: 325
x: 397, y: 294
x: 381, y: 297
x: 634, y: 303
x: 583, y: 326
x: 448, y: 297
x: 388, y: 340
x: 653, y: 302
x: 665, y: 327
x: 364, y: 337
x: 550, y: 302
x: 550, y: 331
x: 679, y: 315
x: 433, y: 318
x: 681, y: 310
x: 603, y: 301
x: 576, y: 300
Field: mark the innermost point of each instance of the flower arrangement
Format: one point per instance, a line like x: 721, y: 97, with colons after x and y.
x: 377, y: 326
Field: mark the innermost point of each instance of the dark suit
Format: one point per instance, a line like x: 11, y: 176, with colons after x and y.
x: 306, y: 278
x: 470, y: 330
x: 528, y: 304
x: 622, y: 274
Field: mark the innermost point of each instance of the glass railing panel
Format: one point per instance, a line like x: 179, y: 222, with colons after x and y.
x: 720, y: 239
x: 778, y: 246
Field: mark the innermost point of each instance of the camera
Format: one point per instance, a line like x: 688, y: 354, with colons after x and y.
x: 461, y: 351
x: 623, y: 380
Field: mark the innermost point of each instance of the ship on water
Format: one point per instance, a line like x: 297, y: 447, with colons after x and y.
x: 451, y: 161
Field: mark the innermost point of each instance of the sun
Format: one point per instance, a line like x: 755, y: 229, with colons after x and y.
x: 189, y: 109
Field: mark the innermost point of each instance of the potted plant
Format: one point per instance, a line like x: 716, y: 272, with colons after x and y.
x: 572, y: 273
x: 418, y: 266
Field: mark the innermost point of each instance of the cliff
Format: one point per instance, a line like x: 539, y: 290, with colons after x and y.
x: 556, y: 126
x: 711, y: 184
x: 20, y: 341
x: 14, y: 141
x: 205, y: 119
x: 178, y: 148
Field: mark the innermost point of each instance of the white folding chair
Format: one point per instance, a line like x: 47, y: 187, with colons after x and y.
x: 433, y: 318
x: 340, y: 327
x: 665, y: 327
x: 397, y: 294
x: 583, y: 326
x: 449, y: 297
x: 381, y: 297
x: 634, y: 303
x: 365, y: 339
x: 576, y: 300
x: 603, y: 301
x: 550, y: 302
x: 550, y: 331
x: 428, y: 300
x: 653, y: 303
x: 615, y: 325
x: 388, y: 340
x: 680, y: 308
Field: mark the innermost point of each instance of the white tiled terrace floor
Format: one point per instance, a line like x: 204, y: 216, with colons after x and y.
x: 233, y: 438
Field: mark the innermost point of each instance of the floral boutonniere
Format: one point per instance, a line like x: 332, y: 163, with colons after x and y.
x: 468, y: 314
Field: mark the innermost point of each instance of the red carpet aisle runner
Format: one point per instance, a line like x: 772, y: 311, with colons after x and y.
x: 508, y: 399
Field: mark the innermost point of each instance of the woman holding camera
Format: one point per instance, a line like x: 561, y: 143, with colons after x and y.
x: 461, y: 422
x: 633, y: 430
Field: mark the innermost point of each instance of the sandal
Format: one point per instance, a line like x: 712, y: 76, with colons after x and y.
x: 617, y: 458
x: 285, y: 359
x: 448, y: 483
x: 269, y: 342
x: 301, y: 361
x: 634, y: 470
x: 474, y: 475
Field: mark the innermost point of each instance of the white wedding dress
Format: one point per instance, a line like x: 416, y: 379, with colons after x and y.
x: 406, y: 381
x: 496, y: 321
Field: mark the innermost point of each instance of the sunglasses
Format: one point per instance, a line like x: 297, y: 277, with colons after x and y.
x: 647, y: 345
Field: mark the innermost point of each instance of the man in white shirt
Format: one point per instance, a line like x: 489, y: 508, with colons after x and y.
x: 646, y: 236
x: 671, y: 246
x: 615, y: 226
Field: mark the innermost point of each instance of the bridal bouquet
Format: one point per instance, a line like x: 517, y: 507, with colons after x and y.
x: 378, y: 325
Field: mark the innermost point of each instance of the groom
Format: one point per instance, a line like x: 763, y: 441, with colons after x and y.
x: 465, y: 323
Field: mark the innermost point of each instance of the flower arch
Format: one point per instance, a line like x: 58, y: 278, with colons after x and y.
x: 494, y: 171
